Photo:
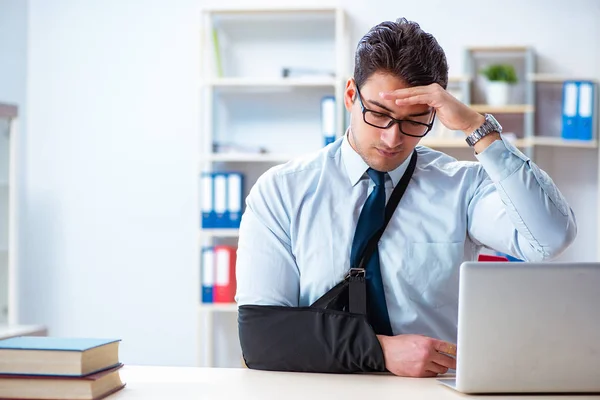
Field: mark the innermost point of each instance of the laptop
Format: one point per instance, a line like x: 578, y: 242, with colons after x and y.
x: 528, y: 328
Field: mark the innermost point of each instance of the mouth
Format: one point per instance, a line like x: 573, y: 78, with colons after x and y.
x: 387, y: 153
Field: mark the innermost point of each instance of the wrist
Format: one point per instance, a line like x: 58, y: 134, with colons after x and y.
x: 476, y: 121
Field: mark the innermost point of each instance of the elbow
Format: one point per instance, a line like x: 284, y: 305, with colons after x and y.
x: 557, y: 243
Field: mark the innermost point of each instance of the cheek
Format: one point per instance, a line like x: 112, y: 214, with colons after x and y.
x: 411, y: 141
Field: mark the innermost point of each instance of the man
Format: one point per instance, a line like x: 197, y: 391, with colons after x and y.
x: 300, y: 232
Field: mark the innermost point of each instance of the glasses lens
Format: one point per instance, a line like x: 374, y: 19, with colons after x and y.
x: 377, y: 119
x: 414, y: 128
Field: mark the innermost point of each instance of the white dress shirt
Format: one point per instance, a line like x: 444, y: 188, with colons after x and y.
x: 297, y: 229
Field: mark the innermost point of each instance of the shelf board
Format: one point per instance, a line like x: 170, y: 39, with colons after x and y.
x: 560, y: 142
x: 498, y: 49
x: 556, y: 78
x: 508, y: 109
x: 459, y: 143
x: 536, y: 141
x: 225, y: 232
x: 259, y: 83
x: 459, y: 79
x: 265, y: 9
x: 248, y: 157
x: 218, y: 307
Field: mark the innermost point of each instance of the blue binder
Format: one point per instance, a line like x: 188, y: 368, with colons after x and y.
x: 328, y: 119
x: 207, y: 274
x: 221, y: 199
x: 221, y: 213
x: 207, y: 200
x: 569, y: 109
x: 235, y: 190
x: 585, y: 110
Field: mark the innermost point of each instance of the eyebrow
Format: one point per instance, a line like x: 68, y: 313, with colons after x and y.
x: 378, y: 104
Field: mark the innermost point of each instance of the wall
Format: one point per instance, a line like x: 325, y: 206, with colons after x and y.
x: 111, y: 225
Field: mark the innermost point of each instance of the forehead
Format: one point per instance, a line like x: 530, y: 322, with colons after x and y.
x: 383, y: 82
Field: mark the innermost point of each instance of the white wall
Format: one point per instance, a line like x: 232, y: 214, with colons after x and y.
x: 13, y: 51
x: 110, y: 219
x: 13, y: 72
x: 111, y: 225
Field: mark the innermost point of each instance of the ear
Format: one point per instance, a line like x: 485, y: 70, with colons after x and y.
x: 349, y: 94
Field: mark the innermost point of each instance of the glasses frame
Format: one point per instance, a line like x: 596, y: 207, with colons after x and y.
x: 392, y: 119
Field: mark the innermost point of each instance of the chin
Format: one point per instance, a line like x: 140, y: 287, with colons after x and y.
x: 385, y: 165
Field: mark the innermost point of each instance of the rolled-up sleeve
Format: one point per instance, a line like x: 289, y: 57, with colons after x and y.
x: 516, y: 207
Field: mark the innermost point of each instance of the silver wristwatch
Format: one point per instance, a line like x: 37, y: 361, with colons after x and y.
x: 490, y: 125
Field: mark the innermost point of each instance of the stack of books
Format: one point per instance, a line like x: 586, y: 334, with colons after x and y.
x: 59, y: 368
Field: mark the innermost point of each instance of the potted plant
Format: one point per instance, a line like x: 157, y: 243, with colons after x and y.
x: 499, y: 78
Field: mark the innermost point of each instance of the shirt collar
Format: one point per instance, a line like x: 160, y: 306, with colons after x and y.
x: 356, y: 167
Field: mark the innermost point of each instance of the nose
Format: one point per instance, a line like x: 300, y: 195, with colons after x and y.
x: 392, y: 137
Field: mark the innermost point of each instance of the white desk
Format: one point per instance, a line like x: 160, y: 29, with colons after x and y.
x: 178, y: 383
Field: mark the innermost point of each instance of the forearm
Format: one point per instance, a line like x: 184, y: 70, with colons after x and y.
x: 535, y: 206
x: 307, y: 339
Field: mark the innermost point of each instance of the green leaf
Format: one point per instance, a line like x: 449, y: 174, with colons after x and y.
x: 500, y: 72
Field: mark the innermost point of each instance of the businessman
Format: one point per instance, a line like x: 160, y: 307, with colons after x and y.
x: 307, y: 221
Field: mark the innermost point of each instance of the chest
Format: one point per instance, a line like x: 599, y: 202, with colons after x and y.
x: 427, y: 228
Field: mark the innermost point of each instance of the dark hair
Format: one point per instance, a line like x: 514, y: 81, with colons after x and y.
x: 404, y: 50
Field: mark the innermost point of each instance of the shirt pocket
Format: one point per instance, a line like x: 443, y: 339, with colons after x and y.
x: 431, y: 274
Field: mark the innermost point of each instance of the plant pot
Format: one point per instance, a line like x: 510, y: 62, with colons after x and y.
x: 497, y: 93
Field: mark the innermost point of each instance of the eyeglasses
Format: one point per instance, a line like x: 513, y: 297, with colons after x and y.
x: 384, y: 121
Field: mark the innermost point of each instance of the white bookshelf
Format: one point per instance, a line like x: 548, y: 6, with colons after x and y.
x: 248, y: 101
x: 8, y: 228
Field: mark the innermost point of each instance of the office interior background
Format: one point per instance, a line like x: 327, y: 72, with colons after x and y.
x: 112, y: 138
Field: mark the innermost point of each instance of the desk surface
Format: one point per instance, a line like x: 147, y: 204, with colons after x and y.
x: 182, y: 383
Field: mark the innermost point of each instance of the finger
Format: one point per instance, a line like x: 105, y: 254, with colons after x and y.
x: 427, y: 374
x: 444, y: 360
x: 404, y: 93
x: 445, y: 347
x: 418, y: 99
x: 437, y: 368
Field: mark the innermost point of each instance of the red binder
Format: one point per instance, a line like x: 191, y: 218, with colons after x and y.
x: 224, y: 288
x: 489, y: 257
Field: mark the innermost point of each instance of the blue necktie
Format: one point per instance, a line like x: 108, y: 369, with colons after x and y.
x: 371, y: 219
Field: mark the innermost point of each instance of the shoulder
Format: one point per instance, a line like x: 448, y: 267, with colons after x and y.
x: 297, y: 173
x: 301, y: 168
